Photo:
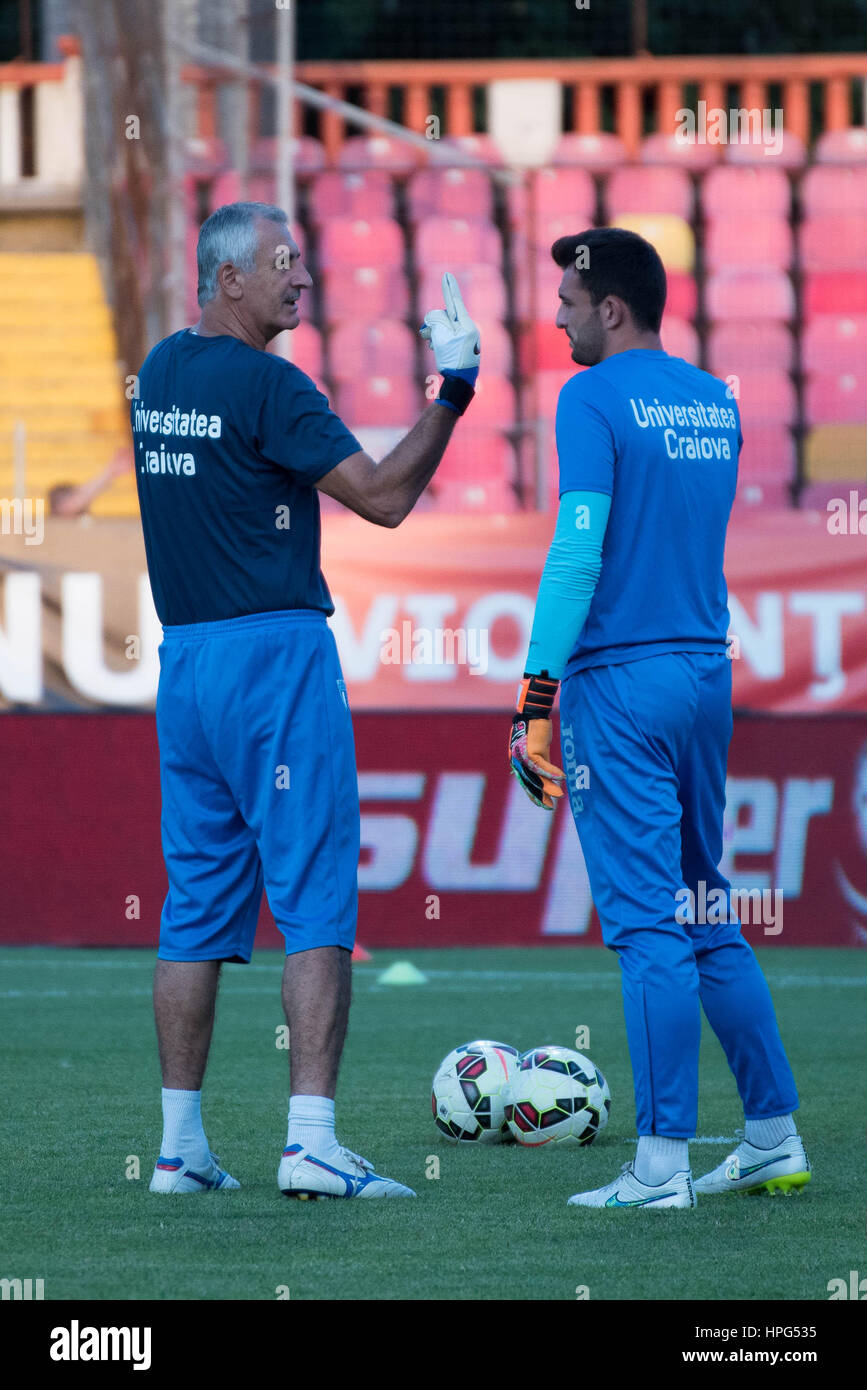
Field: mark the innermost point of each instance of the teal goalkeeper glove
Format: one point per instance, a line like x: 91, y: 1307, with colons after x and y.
x: 454, y: 339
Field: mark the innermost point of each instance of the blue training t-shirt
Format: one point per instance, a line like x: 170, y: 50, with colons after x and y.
x: 228, y: 444
x: 662, y: 438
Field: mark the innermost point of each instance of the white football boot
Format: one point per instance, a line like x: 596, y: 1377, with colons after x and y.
x: 308, y: 1178
x: 627, y: 1191
x: 784, y: 1168
x: 175, y: 1175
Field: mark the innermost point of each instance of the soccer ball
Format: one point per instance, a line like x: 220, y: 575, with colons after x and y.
x: 559, y: 1096
x: 471, y: 1090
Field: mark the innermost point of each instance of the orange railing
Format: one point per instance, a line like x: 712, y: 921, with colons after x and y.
x: 633, y: 82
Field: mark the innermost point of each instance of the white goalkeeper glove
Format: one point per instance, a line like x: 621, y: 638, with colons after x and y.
x: 454, y: 339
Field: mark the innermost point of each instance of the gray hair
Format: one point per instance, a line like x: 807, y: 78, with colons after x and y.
x: 229, y: 234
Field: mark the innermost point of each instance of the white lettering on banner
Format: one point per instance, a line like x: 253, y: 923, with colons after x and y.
x: 803, y: 798
x: 388, y: 842
x: 762, y: 637
x: 453, y: 829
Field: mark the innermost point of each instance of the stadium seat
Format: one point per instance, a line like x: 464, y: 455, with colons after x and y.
x: 650, y: 189
x: 476, y: 454
x: 833, y: 243
x: 836, y: 397
x: 306, y: 350
x: 497, y: 355
x: 547, y: 228
x: 792, y: 153
x: 835, y: 292
x: 685, y: 154
x: 365, y: 195
x: 546, y: 193
x: 602, y: 151
x: 543, y: 348
x: 458, y: 242
x: 672, y: 237
x: 768, y: 454
x: 748, y: 243
x: 836, y: 451
x: 835, y: 343
x: 743, y: 192
x: 542, y: 391
x: 482, y: 286
x: 364, y: 292
x: 680, y: 339
x: 814, y: 497
x: 495, y: 403
x: 534, y: 282
x: 205, y: 155
x: 760, y: 492
x: 308, y: 155
x: 847, y: 146
x: 379, y: 400
x: 384, y: 348
x: 766, y: 398
x: 378, y: 152
x: 454, y: 193
x: 830, y: 192
x: 750, y: 347
x: 750, y: 294
x: 682, y: 298
x: 482, y: 147
x: 347, y: 241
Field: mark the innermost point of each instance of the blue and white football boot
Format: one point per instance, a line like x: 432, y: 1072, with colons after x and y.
x: 627, y: 1191
x: 308, y: 1178
x: 174, y: 1175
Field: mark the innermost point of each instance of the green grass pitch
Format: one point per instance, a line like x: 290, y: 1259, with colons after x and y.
x: 82, y: 1103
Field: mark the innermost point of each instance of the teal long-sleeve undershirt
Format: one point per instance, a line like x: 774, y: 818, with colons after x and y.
x: 568, y: 581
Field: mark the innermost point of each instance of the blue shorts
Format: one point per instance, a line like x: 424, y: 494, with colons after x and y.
x: 259, y: 786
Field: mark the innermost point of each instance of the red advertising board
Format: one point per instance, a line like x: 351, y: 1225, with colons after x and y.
x: 452, y: 851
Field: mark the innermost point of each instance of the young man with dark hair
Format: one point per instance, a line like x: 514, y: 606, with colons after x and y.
x: 632, y: 615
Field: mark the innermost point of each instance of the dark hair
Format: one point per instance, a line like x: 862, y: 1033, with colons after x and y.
x: 620, y: 263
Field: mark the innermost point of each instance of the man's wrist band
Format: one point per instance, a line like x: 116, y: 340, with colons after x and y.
x: 455, y: 393
x: 536, y: 695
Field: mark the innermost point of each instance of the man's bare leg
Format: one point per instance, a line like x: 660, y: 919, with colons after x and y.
x: 317, y: 987
x: 185, y: 995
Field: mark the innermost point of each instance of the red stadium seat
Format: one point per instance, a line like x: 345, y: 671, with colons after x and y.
x: 477, y: 455
x: 378, y: 152
x: 745, y: 192
x: 766, y: 398
x: 481, y: 147
x: 768, y: 454
x: 648, y: 189
x: 456, y: 193
x: 379, y: 400
x: 547, y: 228
x: 750, y: 347
x: 835, y: 343
x: 602, y: 151
x: 488, y: 499
x: 482, y: 286
x: 833, y: 243
x: 347, y: 241
x: 497, y: 355
x: 686, y: 154
x: 847, y: 146
x: 384, y: 348
x: 364, y: 292
x: 535, y: 281
x: 358, y: 195
x: 682, y: 298
x: 792, y: 153
x: 542, y: 391
x: 543, y: 348
x: 458, y: 242
x: 830, y: 192
x: 308, y: 155
x: 760, y: 492
x: 494, y: 404
x: 751, y: 243
x: 835, y: 292
x: 679, y: 339
x: 836, y: 398
x: 549, y: 192
x: 750, y: 294
x: 305, y: 347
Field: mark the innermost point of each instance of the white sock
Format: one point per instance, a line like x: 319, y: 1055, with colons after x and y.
x: 311, y: 1124
x: 767, y: 1134
x: 657, y: 1160
x: 183, y: 1135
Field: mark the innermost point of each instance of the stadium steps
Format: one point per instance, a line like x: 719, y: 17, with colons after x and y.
x: 59, y: 376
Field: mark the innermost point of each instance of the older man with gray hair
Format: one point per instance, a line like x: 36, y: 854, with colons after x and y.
x: 257, y: 759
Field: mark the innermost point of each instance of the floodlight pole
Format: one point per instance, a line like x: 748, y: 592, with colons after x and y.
x: 284, y: 19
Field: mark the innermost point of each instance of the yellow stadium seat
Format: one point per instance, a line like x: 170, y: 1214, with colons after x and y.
x: 836, y: 452
x: 671, y: 235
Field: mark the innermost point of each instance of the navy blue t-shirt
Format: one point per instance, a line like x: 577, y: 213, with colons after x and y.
x: 662, y: 439
x: 228, y: 444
